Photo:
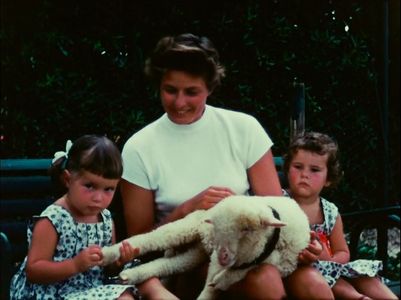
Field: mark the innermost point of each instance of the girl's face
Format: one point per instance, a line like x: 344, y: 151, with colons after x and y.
x: 183, y: 96
x: 307, y: 174
x: 88, y: 194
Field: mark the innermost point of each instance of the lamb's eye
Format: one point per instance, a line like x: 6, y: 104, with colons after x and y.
x: 247, y: 229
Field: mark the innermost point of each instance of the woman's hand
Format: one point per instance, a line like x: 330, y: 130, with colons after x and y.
x: 209, y: 197
x: 88, y: 257
x: 311, y: 253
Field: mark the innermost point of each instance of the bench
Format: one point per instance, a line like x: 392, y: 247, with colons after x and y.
x: 26, y: 189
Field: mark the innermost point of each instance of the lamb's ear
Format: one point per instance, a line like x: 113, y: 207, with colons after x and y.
x: 272, y: 221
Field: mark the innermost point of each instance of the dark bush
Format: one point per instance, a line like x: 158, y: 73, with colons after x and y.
x: 75, y: 67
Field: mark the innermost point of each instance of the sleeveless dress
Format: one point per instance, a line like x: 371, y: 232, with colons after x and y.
x: 73, y: 237
x: 332, y: 270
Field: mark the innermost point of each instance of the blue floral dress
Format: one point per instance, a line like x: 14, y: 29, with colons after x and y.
x: 332, y: 270
x: 73, y: 237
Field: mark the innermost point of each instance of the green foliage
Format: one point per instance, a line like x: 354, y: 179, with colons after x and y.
x: 75, y: 67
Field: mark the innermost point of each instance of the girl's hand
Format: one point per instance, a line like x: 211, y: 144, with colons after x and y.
x: 127, y: 253
x: 209, y: 197
x: 326, y: 253
x: 311, y: 253
x: 88, y: 257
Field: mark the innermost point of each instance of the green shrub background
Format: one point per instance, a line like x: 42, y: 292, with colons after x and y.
x: 75, y: 67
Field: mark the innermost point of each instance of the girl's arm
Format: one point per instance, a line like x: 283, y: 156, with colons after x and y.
x: 42, y: 269
x: 338, y: 244
x: 263, y: 177
x: 311, y: 253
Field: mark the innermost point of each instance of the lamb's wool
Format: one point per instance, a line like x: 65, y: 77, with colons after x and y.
x: 232, y: 234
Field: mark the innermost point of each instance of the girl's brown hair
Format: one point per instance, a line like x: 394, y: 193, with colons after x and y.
x: 91, y: 153
x: 321, y: 144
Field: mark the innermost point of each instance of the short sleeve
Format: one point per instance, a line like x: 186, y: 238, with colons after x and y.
x: 134, y: 168
x: 259, y: 142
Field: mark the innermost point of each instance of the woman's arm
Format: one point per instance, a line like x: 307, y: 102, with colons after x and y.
x: 204, y: 200
x: 263, y: 177
x: 139, y: 207
x: 127, y: 254
x: 264, y: 181
x: 42, y: 269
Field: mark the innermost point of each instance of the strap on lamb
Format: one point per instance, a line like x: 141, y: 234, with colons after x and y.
x: 269, y: 246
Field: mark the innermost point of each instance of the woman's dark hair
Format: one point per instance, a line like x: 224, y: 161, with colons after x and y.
x: 185, y: 52
x: 321, y: 144
x: 91, y: 153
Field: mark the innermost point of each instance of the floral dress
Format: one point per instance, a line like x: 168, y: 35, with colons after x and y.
x: 332, y: 270
x: 72, y: 238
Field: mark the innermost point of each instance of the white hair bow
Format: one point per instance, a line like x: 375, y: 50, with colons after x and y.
x: 60, y: 154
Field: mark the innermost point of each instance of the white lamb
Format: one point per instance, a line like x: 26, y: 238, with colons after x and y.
x: 237, y: 234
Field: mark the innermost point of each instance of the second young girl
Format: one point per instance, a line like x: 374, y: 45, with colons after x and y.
x: 64, y: 258
x: 311, y: 165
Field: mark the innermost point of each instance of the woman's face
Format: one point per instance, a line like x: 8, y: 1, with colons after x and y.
x: 183, y: 96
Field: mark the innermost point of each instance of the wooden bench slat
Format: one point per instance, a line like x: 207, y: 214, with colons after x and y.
x: 25, y: 164
x: 25, y: 185
x: 26, y: 208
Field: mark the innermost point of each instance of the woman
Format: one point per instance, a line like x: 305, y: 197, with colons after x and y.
x: 195, y: 155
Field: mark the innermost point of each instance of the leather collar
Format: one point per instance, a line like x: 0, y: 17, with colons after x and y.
x: 269, y: 247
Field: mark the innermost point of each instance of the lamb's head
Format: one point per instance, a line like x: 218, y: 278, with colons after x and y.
x: 240, y: 228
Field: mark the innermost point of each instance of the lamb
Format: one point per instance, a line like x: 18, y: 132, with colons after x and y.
x: 237, y: 234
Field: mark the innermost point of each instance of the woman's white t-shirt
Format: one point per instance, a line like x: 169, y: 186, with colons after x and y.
x: 180, y: 161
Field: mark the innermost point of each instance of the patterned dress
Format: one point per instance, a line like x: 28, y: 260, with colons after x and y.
x: 73, y: 237
x: 332, y: 270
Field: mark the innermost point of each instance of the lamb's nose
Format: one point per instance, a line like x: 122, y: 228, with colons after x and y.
x: 224, y: 257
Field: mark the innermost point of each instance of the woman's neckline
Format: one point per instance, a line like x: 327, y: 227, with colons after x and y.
x: 202, y: 121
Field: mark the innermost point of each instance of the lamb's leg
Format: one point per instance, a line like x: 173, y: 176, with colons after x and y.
x: 165, y: 266
x: 170, y: 235
x: 227, y: 278
x: 219, y: 278
x: 209, y: 291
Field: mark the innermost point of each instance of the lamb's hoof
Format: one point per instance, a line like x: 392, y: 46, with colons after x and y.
x: 109, y: 256
x: 124, y: 279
